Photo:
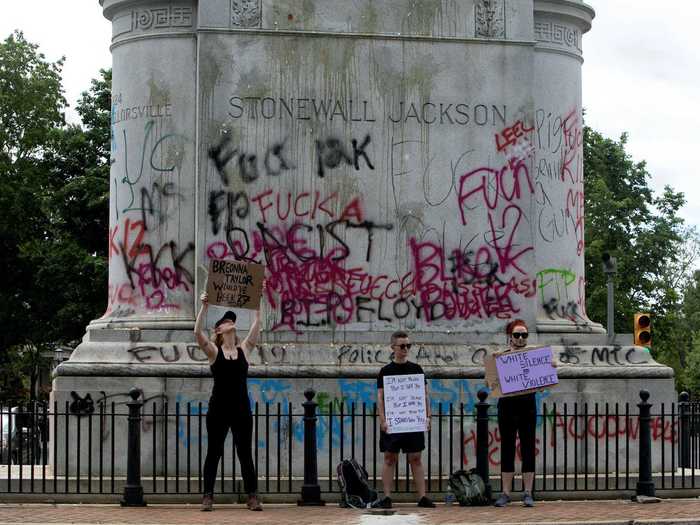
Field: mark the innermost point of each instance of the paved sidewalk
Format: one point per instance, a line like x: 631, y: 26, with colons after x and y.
x: 667, y: 512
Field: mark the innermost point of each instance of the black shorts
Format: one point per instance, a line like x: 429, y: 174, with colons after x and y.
x: 406, y: 442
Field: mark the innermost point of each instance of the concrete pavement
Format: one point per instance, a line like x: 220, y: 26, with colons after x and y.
x: 615, y: 512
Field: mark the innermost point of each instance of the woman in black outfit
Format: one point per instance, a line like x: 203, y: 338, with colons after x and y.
x: 517, y: 414
x: 229, y: 406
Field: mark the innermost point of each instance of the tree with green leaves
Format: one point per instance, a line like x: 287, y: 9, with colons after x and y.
x: 54, y: 195
x: 687, y: 341
x: 655, y: 251
x: 31, y: 108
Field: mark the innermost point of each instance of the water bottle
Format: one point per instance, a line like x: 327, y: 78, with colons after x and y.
x: 449, y: 497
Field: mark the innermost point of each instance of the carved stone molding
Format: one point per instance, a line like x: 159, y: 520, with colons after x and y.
x: 161, y: 18
x: 558, y: 34
x: 246, y: 13
x: 490, y: 18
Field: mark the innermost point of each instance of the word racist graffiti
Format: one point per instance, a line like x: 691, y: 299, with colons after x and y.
x: 297, y: 242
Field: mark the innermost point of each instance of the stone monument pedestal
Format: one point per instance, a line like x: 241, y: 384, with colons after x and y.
x: 173, y: 374
x: 395, y: 164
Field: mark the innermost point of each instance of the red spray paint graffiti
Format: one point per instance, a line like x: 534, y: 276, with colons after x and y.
x: 581, y: 429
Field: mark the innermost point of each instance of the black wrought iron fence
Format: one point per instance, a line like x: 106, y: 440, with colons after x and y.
x: 580, y: 447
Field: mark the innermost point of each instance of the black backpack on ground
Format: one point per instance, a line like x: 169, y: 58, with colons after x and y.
x: 353, y: 481
x: 468, y: 487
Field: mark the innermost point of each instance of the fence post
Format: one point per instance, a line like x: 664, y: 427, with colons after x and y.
x: 133, y: 491
x: 645, y: 485
x: 482, y: 440
x: 311, y: 490
x: 684, y: 430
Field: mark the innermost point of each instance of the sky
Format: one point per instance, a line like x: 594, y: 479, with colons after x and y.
x: 641, y: 74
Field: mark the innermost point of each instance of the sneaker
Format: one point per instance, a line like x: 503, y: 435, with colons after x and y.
x: 384, y: 503
x: 527, y: 500
x: 502, y: 500
x: 254, y: 503
x: 207, y: 503
x: 426, y: 502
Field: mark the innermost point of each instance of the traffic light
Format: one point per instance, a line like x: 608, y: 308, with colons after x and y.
x: 642, y: 329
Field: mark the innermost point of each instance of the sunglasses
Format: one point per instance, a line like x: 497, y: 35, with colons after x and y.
x: 518, y: 335
x: 404, y: 346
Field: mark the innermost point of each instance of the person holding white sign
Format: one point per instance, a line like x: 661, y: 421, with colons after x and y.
x: 229, y: 405
x: 407, y: 412
x: 517, y: 414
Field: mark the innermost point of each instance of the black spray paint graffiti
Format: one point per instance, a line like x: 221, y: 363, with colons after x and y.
x: 85, y: 406
x: 173, y: 353
x: 153, y: 202
x: 274, y: 160
x: 330, y: 154
x: 605, y: 356
x: 469, y: 267
x: 237, y: 205
x: 158, y: 148
x: 81, y: 406
x: 153, y: 272
x: 274, y: 354
x: 107, y: 409
x: 168, y: 353
x: 286, y: 245
x: 276, y: 244
x: 349, y: 354
x: 557, y: 310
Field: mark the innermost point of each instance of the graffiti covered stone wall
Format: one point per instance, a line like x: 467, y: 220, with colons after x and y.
x: 419, y: 167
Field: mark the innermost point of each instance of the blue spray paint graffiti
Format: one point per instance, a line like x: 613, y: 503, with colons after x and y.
x: 362, y: 393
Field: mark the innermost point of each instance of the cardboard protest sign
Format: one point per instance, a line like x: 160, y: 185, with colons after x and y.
x: 404, y: 403
x: 520, y: 371
x: 235, y: 284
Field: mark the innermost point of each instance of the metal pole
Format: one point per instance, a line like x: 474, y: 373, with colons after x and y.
x: 610, y: 269
x: 611, y: 309
x: 645, y: 485
x: 311, y: 490
x: 482, y: 440
x: 133, y: 491
x: 684, y: 430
